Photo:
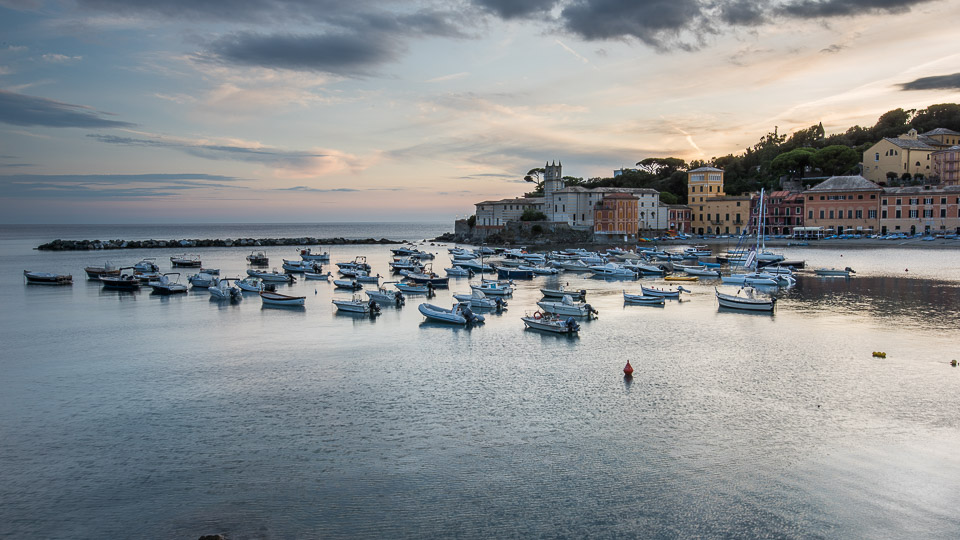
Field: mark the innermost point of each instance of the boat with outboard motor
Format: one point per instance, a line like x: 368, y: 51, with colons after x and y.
x: 349, y: 284
x: 549, y: 322
x: 749, y: 303
x: 307, y: 254
x: 358, y: 305
x: 386, y: 297
x: 186, y: 261
x: 165, y: 285
x: 202, y: 280
x: 645, y: 299
x: 250, y: 284
x: 566, y: 306
x: 477, y: 299
x: 47, y: 278
x: 273, y: 276
x: 666, y: 293
x: 122, y: 282
x: 562, y: 291
x: 460, y: 313
x: 302, y: 266
x: 258, y: 258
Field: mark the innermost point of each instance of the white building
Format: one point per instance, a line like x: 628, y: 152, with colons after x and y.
x: 574, y: 205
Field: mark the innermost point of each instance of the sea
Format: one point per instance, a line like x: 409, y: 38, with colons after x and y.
x: 131, y: 415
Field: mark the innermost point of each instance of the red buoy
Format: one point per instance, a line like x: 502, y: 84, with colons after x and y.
x: 628, y: 370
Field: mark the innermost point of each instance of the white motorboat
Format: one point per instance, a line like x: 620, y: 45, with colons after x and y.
x: 386, y: 297
x: 566, y: 306
x: 365, y: 277
x: 562, y: 291
x: 258, y: 258
x: 415, y: 288
x: 124, y: 281
x: 47, y: 278
x: 202, y: 280
x: 405, y: 263
x: 358, y: 305
x: 458, y: 314
x: 645, y: 269
x: 666, y: 293
x: 165, y: 285
x: 458, y: 271
x: 358, y: 263
x: 308, y: 255
x: 613, y: 270
x: 494, y: 288
x: 148, y: 264
x: 187, y: 261
x: 477, y: 299
x: 540, y: 270
x: 250, y: 284
x: 573, y: 266
x: 748, y: 303
x: 760, y: 279
x: 271, y: 298
x: 551, y: 323
x: 831, y: 272
x: 317, y: 276
x: 350, y: 284
x: 645, y: 299
x: 222, y: 290
x: 702, y: 272
x: 273, y: 276
x: 302, y: 266
x: 474, y: 265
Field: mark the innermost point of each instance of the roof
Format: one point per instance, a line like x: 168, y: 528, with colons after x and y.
x: 940, y: 131
x: 845, y: 183
x: 706, y: 169
x: 910, y: 190
x: 517, y: 200
x: 913, y: 144
x: 620, y: 195
x: 951, y: 149
x: 634, y: 191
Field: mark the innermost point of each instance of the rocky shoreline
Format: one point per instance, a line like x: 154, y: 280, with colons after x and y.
x: 85, y: 245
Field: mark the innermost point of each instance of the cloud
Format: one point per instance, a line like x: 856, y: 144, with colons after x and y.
x: 938, y: 82
x: 345, y: 54
x: 109, y: 186
x: 60, y: 58
x: 451, y: 77
x: 288, y: 162
x: 509, y: 9
x: 24, y: 110
x: 655, y: 22
x: 743, y: 12
x: 818, y: 9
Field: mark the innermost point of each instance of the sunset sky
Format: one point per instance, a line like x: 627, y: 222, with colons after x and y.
x: 149, y: 111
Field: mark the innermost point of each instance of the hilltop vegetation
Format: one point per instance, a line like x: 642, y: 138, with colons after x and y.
x: 806, y: 153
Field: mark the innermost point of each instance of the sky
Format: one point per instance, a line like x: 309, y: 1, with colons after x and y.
x: 266, y: 111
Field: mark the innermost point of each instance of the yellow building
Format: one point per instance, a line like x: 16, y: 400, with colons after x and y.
x: 712, y: 211
x: 909, y: 153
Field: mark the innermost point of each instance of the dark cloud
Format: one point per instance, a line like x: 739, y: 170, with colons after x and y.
x: 509, y: 9
x: 833, y: 49
x: 107, y: 186
x: 346, y: 54
x: 655, y: 22
x: 817, y: 9
x: 24, y: 110
x: 743, y: 12
x: 212, y: 151
x: 939, y: 82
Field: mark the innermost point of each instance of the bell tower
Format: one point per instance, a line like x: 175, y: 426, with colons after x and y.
x: 552, y: 177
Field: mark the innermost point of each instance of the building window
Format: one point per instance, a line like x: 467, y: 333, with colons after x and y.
x: 831, y: 214
x: 883, y: 202
x: 860, y: 214
x: 928, y: 200
x: 943, y: 212
x: 928, y: 212
x: 810, y: 214
x: 859, y: 196
x: 914, y: 201
x: 876, y: 157
x: 913, y: 213
x: 883, y: 214
x: 821, y: 214
x: 898, y: 214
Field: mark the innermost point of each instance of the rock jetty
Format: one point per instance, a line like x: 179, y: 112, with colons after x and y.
x: 83, y: 245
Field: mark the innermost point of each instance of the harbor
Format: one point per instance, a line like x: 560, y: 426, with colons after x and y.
x: 344, y: 424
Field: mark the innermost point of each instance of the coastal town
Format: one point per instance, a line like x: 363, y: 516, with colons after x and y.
x: 809, y: 207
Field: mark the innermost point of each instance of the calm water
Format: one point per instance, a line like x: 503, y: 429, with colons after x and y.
x: 138, y: 416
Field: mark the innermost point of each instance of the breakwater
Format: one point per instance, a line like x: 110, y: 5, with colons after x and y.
x: 84, y: 245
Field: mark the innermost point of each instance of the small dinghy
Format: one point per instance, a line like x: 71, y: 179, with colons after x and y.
x: 648, y: 300
x: 666, y: 293
x: 548, y: 322
x: 349, y: 284
x: 46, y: 278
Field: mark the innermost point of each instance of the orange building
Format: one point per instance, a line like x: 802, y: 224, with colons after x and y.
x: 617, y: 214
x: 844, y: 204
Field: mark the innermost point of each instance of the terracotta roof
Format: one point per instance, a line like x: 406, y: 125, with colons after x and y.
x: 845, y: 183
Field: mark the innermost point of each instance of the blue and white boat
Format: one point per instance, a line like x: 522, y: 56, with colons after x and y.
x: 460, y: 313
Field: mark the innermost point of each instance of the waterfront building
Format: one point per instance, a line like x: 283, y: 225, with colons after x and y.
x: 679, y: 218
x: 703, y: 183
x: 920, y: 209
x: 783, y: 210
x: 909, y: 153
x: 494, y: 215
x: 946, y: 165
x: 843, y: 205
x: 617, y: 215
x: 575, y: 205
x: 712, y: 210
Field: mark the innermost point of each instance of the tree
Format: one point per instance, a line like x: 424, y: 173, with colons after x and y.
x: 531, y: 214
x: 472, y: 221
x: 668, y: 198
x: 661, y: 166
x: 835, y: 159
x: 792, y: 163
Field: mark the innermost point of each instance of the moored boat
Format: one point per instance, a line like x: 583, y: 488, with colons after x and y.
x: 562, y: 291
x: 458, y: 314
x: 47, y: 278
x: 644, y: 299
x: 551, y: 323
x: 222, y: 290
x: 271, y: 298
x: 258, y: 258
x: 834, y: 272
x: 165, y: 285
x: 386, y: 297
x: 666, y: 293
x: 273, y: 276
x: 250, y: 284
x: 349, y: 284
x: 745, y: 303
x: 308, y: 255
x: 122, y: 281
x: 358, y: 305
x: 566, y: 306
x: 94, y: 272
x: 186, y: 261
